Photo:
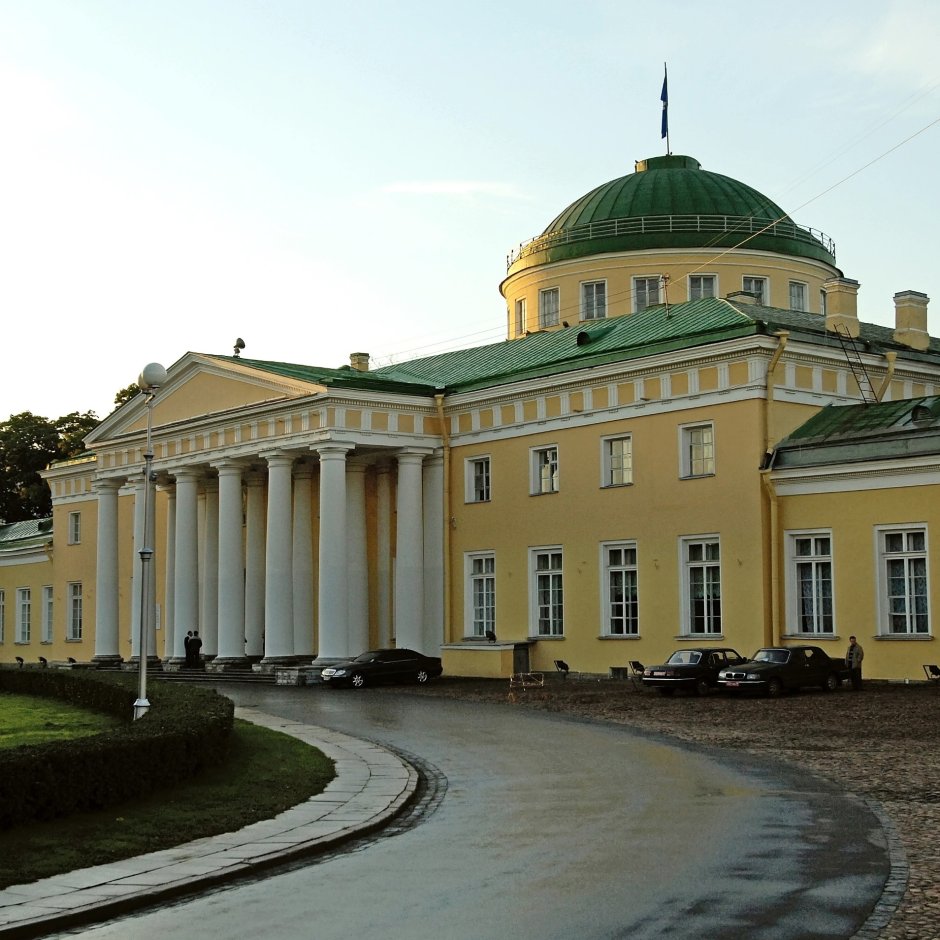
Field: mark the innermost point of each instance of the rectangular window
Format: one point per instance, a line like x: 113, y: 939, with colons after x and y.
x: 620, y: 580
x: 75, y: 611
x: 47, y: 620
x: 23, y: 614
x: 520, y: 316
x: 594, y: 300
x: 701, y: 572
x: 822, y: 302
x: 697, y: 443
x: 3, y: 615
x: 702, y: 285
x: 617, y: 461
x: 478, y: 480
x: 903, y: 581
x: 797, y: 295
x: 809, y: 589
x: 758, y: 287
x: 481, y: 593
x: 549, y: 306
x: 548, y: 607
x: 544, y: 470
x: 645, y: 292
x: 75, y: 528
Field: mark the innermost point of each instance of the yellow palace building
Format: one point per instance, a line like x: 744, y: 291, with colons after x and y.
x: 687, y: 438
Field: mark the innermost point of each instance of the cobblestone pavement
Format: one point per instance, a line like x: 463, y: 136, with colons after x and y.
x: 881, y: 744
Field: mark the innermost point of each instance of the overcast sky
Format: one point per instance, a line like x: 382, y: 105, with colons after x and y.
x: 321, y: 177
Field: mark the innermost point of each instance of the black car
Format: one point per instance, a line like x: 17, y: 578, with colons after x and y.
x: 387, y: 665
x: 775, y: 669
x: 694, y: 669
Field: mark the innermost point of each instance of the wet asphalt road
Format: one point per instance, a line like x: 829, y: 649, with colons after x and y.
x: 556, y: 828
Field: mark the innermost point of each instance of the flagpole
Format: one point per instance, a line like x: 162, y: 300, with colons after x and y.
x: 664, y: 97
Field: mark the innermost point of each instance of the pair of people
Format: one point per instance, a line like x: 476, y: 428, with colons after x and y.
x: 192, y: 644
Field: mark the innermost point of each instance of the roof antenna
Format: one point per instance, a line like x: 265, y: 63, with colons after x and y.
x: 239, y: 346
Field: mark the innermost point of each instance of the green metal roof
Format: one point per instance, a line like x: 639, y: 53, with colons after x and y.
x: 25, y: 534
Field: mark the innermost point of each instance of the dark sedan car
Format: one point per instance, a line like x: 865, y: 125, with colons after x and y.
x: 390, y: 665
x: 775, y: 669
x: 695, y: 669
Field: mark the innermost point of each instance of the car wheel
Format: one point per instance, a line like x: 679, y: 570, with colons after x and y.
x: 422, y: 676
x: 701, y: 687
x: 774, y: 688
x: 832, y: 682
x: 666, y: 692
x: 357, y: 680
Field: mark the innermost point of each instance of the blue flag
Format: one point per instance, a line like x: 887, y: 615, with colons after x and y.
x: 664, y: 97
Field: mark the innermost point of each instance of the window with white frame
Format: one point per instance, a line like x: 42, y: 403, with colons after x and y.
x: 478, y: 480
x: 75, y: 611
x: 544, y: 472
x: 697, y: 446
x: 481, y: 593
x: 23, y: 614
x: 702, y: 285
x: 520, y: 316
x: 75, y: 528
x: 47, y: 620
x: 593, y: 300
x: 903, y: 581
x: 617, y: 460
x: 756, y: 286
x: 3, y: 615
x: 701, y: 587
x: 809, y: 588
x: 619, y: 604
x: 797, y: 295
x: 548, y: 592
x: 646, y: 291
x: 822, y: 302
x: 549, y: 307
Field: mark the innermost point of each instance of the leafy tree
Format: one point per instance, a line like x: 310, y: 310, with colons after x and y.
x: 126, y: 394
x: 28, y: 444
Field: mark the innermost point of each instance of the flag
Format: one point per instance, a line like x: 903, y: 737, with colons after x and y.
x: 664, y: 97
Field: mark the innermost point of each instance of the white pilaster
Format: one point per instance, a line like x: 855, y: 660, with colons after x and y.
x: 383, y: 551
x: 409, y: 555
x: 302, y: 561
x: 186, y: 583
x: 254, y: 564
x: 209, y: 595
x: 107, y: 646
x: 169, y: 578
x: 433, y: 494
x: 332, y: 641
x: 231, y: 584
x: 278, y: 590
x: 357, y: 559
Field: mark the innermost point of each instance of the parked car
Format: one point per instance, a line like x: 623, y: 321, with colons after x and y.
x: 774, y: 669
x: 694, y: 669
x: 386, y: 665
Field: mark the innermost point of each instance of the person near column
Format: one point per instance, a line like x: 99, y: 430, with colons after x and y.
x: 853, y: 661
x: 195, y: 645
x: 187, y: 646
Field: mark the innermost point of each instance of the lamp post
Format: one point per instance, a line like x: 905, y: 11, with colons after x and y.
x: 150, y: 379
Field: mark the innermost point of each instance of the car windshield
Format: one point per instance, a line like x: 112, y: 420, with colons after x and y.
x: 771, y: 656
x: 367, y: 658
x: 685, y: 657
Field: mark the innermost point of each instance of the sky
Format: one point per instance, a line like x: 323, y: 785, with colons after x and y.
x: 321, y: 178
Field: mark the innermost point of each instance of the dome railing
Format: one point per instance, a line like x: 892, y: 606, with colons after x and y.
x: 743, y: 226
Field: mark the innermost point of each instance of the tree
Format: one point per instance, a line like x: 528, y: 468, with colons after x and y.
x: 126, y: 394
x: 28, y: 444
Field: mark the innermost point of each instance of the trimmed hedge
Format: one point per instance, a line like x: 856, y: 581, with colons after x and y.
x: 186, y: 730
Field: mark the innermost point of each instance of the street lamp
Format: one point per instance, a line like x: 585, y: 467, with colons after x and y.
x: 150, y: 379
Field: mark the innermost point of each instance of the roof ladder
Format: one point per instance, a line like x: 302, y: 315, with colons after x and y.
x: 854, y: 359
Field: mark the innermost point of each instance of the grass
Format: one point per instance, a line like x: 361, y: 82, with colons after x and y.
x: 266, y: 773
x: 28, y: 719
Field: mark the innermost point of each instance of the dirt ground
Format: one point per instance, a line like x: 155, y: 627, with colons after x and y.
x: 881, y: 743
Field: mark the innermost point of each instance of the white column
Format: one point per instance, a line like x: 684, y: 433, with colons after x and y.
x: 169, y: 579
x: 186, y: 583
x: 136, y: 566
x: 254, y: 564
x: 409, y: 555
x: 433, y: 491
x: 332, y: 641
x: 209, y: 595
x: 107, y: 646
x: 278, y: 590
x: 231, y: 583
x: 357, y: 559
x: 383, y: 552
x: 302, y: 561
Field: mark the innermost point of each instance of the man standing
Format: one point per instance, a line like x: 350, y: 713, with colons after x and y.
x: 853, y: 661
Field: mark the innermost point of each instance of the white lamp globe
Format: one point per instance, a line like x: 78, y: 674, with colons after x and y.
x: 152, y: 376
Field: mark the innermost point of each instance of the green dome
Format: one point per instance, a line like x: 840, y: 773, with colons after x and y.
x: 671, y: 202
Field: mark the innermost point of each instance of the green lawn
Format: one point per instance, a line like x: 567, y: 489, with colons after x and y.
x: 28, y: 719
x: 266, y: 772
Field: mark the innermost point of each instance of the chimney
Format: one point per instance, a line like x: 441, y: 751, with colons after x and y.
x: 910, y: 319
x: 841, y: 304
x: 359, y: 361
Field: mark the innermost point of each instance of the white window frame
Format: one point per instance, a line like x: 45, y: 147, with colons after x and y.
x: 76, y: 611
x: 917, y: 624
x: 24, y: 614
x: 546, y: 592
x: 822, y: 302
x: 520, y: 316
x: 594, y: 300
x: 614, y: 465
x: 3, y: 615
x: 47, y: 613
x: 643, y: 288
x: 480, y: 608
x: 543, y: 470
x: 75, y: 528
x: 620, y: 614
x: 757, y: 284
x: 698, y: 281
x: 478, y: 487
x: 549, y: 307
x: 697, y: 456
x: 710, y: 566
x: 808, y: 616
x: 803, y: 290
